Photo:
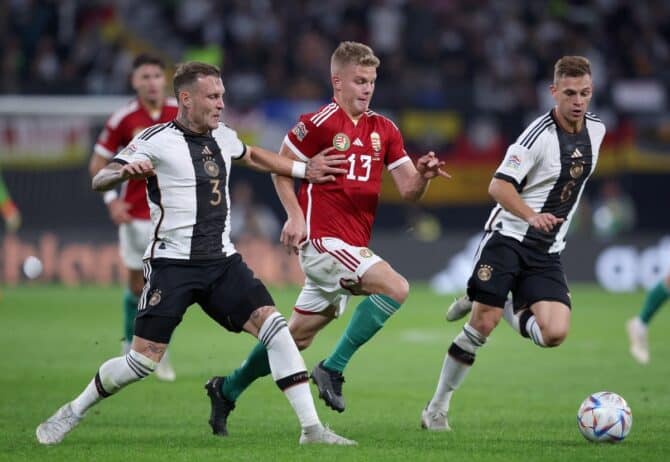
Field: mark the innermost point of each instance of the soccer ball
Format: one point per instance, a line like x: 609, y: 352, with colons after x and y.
x: 604, y: 417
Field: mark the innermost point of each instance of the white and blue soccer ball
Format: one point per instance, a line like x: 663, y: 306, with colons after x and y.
x: 604, y: 417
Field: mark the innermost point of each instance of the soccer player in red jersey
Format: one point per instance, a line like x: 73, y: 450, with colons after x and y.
x: 330, y: 225
x: 128, y: 208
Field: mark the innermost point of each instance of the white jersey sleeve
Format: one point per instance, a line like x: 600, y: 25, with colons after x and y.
x: 231, y: 145
x: 549, y: 168
x: 140, y: 148
x: 518, y: 161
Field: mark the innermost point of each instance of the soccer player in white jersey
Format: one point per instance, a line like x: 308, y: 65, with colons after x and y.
x: 190, y: 259
x: 129, y: 208
x: 537, y: 188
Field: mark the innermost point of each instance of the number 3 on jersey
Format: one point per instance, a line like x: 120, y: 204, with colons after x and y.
x: 216, y: 192
x: 366, y: 163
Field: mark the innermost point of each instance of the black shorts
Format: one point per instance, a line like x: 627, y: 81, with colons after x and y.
x: 226, y: 289
x: 506, y: 265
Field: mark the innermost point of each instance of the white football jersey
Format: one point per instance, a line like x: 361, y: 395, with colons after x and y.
x: 188, y: 197
x: 549, y: 168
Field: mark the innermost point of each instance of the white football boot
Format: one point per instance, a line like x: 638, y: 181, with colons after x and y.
x: 436, y: 422
x: 639, y: 344
x: 164, y: 370
x: 325, y: 436
x: 459, y: 308
x: 54, y: 429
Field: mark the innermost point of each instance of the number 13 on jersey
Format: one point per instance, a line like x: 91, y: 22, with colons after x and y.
x: 365, y: 162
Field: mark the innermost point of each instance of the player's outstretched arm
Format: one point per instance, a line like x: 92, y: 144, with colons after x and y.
x: 295, y: 230
x: 117, y: 207
x: 412, y: 180
x: 505, y: 194
x: 115, y: 173
x: 96, y: 163
x: 321, y: 168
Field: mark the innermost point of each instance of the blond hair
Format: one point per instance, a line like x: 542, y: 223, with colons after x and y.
x: 352, y: 53
x: 571, y: 66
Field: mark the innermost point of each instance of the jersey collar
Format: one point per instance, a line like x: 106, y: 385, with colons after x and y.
x: 186, y: 131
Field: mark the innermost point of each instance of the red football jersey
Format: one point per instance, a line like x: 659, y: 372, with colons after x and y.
x: 346, y: 208
x: 121, y: 127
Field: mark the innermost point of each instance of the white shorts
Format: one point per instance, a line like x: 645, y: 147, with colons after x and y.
x: 134, y: 238
x: 325, y: 262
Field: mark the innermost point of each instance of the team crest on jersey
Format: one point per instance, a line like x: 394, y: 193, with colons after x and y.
x: 155, y: 298
x: 484, y: 272
x: 366, y: 253
x: 376, y: 141
x: 212, y: 168
x: 300, y: 131
x: 341, y: 142
x: 576, y: 169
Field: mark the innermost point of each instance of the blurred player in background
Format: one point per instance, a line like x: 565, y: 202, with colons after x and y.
x: 330, y: 225
x: 10, y: 213
x: 129, y: 209
x: 186, y: 164
x: 537, y: 189
x: 637, y: 327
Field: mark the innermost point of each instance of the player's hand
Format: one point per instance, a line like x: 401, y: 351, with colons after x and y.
x: 293, y: 234
x: 355, y: 286
x: 544, y: 221
x: 430, y: 166
x: 323, y: 167
x: 137, y: 170
x: 118, y: 211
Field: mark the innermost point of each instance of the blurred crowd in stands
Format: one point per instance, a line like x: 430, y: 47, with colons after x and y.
x: 482, y: 66
x: 469, y: 55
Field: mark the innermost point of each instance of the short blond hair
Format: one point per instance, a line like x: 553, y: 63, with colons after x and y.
x: 571, y: 66
x: 352, y: 53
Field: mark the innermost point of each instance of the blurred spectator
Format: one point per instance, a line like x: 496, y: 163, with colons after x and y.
x: 613, y: 210
x: 485, y: 55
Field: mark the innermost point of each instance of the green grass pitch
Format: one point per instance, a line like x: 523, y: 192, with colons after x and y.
x: 518, y: 403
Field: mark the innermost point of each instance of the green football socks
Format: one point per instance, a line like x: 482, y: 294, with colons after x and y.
x: 129, y: 313
x: 255, y: 366
x: 368, y: 318
x: 656, y: 296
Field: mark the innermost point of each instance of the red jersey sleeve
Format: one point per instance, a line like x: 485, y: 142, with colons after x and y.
x: 395, y: 153
x: 110, y: 140
x: 305, y: 139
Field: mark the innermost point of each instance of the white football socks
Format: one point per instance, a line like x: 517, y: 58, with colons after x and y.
x: 509, y: 315
x: 534, y: 332
x: 453, y: 370
x: 113, y: 375
x: 531, y: 325
x: 288, y: 368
